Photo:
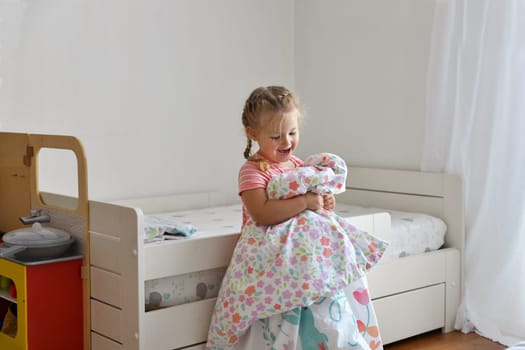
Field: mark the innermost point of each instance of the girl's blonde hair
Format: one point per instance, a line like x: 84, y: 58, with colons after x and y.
x: 274, y: 99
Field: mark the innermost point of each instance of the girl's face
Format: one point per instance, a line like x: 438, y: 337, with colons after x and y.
x: 278, y: 136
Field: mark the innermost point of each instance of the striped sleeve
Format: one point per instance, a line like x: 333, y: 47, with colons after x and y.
x: 251, y: 177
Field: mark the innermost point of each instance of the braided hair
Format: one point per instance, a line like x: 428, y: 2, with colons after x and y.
x: 273, y: 99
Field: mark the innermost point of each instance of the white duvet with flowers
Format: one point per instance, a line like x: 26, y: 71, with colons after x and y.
x: 292, y: 274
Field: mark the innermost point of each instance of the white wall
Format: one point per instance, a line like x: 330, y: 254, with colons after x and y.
x: 153, y: 89
x: 360, y: 71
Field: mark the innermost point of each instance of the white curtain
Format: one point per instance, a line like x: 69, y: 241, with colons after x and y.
x: 475, y: 126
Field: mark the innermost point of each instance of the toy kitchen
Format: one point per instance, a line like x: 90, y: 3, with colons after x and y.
x: 44, y: 282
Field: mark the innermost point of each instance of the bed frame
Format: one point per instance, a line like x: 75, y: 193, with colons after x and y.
x: 419, y: 293
x: 411, y: 295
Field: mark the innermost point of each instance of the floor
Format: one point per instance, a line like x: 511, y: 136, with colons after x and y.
x: 450, y: 341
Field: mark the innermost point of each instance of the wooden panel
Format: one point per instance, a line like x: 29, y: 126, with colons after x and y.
x: 101, y: 343
x: 106, y: 287
x: 185, y: 324
x: 402, y: 181
x: 15, y: 200
x: 404, y: 315
x: 407, y: 273
x: 60, y: 142
x: 59, y: 200
x: 106, y: 320
x: 105, y: 252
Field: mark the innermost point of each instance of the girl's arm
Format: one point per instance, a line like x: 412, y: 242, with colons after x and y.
x: 271, y: 212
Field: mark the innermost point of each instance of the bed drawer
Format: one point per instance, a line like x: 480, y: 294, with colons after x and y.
x: 179, y: 322
x: 408, y: 273
x: 407, y: 314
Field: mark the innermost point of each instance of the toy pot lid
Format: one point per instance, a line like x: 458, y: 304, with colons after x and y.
x: 35, y: 236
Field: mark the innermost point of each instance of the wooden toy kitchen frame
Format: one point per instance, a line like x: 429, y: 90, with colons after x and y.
x: 52, y: 296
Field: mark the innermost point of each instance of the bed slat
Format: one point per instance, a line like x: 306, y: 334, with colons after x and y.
x: 400, y: 181
x: 394, y: 201
x: 99, y: 342
x: 103, y: 252
x: 404, y: 315
x: 176, y: 258
x: 106, y: 320
x: 106, y: 287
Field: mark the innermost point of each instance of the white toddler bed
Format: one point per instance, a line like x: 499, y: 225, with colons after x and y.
x: 411, y: 295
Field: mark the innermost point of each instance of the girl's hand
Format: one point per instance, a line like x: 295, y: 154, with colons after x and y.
x: 314, y: 201
x: 329, y: 201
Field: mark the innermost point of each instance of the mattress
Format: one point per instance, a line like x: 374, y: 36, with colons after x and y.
x: 412, y: 233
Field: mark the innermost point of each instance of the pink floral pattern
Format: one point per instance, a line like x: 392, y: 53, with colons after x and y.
x: 278, y: 268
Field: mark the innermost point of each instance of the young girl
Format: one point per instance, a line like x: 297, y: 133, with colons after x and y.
x: 286, y: 283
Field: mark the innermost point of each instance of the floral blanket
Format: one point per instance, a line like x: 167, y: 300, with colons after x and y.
x: 293, y: 264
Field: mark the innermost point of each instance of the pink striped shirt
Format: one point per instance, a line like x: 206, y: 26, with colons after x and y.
x: 252, y: 177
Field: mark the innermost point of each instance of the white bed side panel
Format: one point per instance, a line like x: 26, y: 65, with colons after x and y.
x: 117, y: 247
x: 184, y: 256
x: 404, y: 315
